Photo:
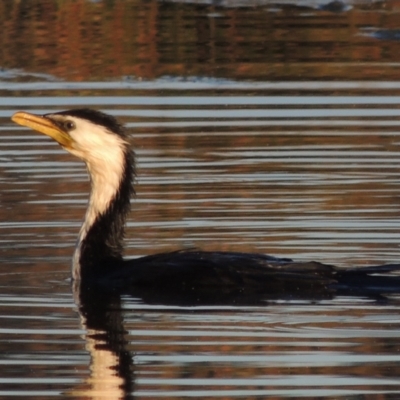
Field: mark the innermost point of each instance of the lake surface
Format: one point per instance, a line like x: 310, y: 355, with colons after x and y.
x: 264, y: 127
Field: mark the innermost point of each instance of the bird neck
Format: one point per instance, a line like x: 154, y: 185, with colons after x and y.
x: 100, y: 241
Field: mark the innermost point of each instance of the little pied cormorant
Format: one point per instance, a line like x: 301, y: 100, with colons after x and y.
x: 102, y: 143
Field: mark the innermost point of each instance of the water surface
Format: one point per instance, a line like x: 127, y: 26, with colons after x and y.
x: 272, y: 129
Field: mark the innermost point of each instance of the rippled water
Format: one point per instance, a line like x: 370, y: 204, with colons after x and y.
x: 281, y: 140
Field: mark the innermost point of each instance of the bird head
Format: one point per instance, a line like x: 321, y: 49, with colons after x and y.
x: 91, y: 135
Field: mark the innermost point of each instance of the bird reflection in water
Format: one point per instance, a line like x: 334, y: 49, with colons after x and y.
x: 111, y: 364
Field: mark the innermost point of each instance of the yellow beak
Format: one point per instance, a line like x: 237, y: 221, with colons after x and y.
x: 43, y: 125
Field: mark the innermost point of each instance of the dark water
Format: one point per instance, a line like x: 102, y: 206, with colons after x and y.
x: 263, y: 127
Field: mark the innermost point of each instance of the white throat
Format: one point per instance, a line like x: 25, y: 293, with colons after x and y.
x: 105, y: 164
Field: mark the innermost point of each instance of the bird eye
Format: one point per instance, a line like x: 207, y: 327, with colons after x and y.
x: 69, y: 125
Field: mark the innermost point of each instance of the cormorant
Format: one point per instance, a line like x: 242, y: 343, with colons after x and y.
x: 102, y: 143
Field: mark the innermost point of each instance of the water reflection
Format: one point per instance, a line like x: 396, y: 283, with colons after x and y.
x: 329, y: 348
x: 147, y: 39
x: 111, y: 367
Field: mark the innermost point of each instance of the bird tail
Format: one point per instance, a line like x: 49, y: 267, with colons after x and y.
x: 382, y: 279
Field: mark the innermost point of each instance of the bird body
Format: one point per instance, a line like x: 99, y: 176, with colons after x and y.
x: 102, y: 143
